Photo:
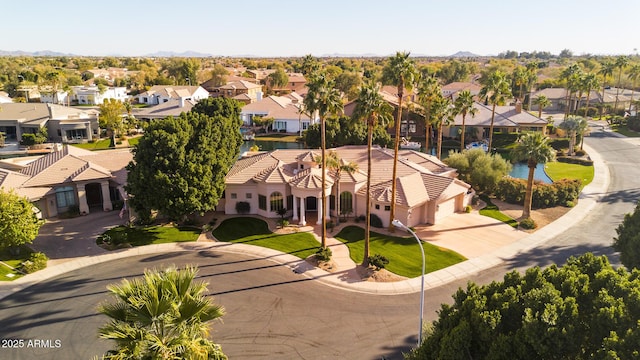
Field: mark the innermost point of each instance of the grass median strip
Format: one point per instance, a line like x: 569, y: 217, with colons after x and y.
x: 492, y: 211
x: 252, y: 231
x: 139, y: 236
x: 403, y: 253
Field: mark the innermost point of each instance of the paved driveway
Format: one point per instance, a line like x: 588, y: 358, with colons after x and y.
x: 63, y: 239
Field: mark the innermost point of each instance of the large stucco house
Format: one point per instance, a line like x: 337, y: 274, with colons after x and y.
x: 63, y: 124
x: 159, y: 94
x: 285, y: 111
x: 67, y: 178
x: 427, y: 190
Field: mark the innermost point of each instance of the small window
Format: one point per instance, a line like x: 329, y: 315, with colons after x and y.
x: 248, y: 195
x: 301, y: 166
x: 377, y: 206
x: 234, y: 195
x: 387, y: 208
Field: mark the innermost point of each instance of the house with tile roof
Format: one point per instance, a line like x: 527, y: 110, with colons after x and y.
x: 67, y: 178
x: 92, y: 95
x: 242, y: 90
x: 455, y: 87
x: 64, y: 124
x: 285, y: 110
x: 173, y: 107
x: 427, y: 189
x: 508, y: 119
x: 159, y: 94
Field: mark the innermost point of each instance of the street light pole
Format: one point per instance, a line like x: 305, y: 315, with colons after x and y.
x: 398, y: 224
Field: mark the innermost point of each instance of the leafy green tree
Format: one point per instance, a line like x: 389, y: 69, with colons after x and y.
x: 18, y: 222
x: 454, y: 70
x: 164, y: 315
x: 588, y: 82
x: 180, y: 164
x: 219, y: 75
x: 533, y: 148
x: 463, y: 105
x: 111, y: 111
x: 571, y: 75
x: 480, y: 169
x: 520, y: 78
x: 372, y: 109
x: 585, y: 309
x: 401, y: 72
x: 344, y: 131
x: 324, y: 99
x: 628, y: 240
x: 349, y: 82
x: 278, y: 79
x: 606, y: 69
x: 443, y: 113
x: 496, y: 91
x: 224, y: 107
x: 532, y: 78
x: 573, y: 125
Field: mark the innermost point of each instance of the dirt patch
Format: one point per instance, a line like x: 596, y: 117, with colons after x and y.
x: 382, y: 275
x: 328, y: 266
x: 542, y: 217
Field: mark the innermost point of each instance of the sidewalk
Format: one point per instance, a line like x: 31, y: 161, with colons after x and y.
x: 487, y: 250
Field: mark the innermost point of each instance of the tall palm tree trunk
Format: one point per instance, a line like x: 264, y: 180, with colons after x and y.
x: 367, y: 227
x: 324, y: 184
x: 528, y: 195
x: 392, y: 213
x: 427, y: 125
x: 337, y: 198
x: 439, y: 152
x: 462, y: 135
x: 493, y: 116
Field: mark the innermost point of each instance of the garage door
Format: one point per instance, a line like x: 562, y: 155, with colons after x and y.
x: 446, y: 208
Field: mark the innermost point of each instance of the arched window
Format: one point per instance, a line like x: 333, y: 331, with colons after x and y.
x: 346, y: 203
x: 276, y: 201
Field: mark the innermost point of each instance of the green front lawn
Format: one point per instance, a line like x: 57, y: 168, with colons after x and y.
x: 134, y: 141
x: 149, y: 235
x: 252, y: 231
x: 98, y: 145
x: 624, y: 130
x: 403, y: 253
x: 558, y: 170
x: 492, y: 211
x: 13, y: 261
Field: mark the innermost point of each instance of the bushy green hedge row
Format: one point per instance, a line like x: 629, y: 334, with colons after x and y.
x: 564, y: 192
x: 37, y: 261
x: 572, y: 160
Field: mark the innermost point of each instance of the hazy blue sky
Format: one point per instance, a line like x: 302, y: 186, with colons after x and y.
x: 322, y: 27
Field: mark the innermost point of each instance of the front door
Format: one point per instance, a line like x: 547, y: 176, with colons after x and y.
x: 311, y: 203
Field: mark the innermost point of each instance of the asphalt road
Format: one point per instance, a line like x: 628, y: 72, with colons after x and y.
x: 274, y: 313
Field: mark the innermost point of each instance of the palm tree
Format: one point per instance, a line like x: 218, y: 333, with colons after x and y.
x: 535, y: 149
x: 164, y: 315
x: 464, y: 104
x: 520, y: 78
x: 496, y: 91
x: 428, y: 90
x: 532, y: 77
x: 634, y: 75
x: 571, y: 74
x: 542, y: 101
x: 400, y: 71
x: 375, y: 111
x: 621, y: 63
x: 589, y: 82
x: 573, y: 125
x: 324, y: 99
x: 443, y: 113
x: 606, y: 69
x: 335, y: 163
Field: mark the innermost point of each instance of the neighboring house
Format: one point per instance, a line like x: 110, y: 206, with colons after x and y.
x: 4, y: 98
x: 259, y: 75
x: 297, y: 83
x: 284, y: 110
x: 427, y: 189
x: 108, y: 74
x: 70, y: 178
x: 173, y: 107
x: 212, y: 88
x: 235, y: 90
x: 507, y: 119
x: 159, y: 94
x: 51, y: 96
x: 456, y: 87
x: 91, y: 95
x: 64, y: 124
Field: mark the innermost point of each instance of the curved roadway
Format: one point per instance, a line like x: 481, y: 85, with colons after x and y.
x: 275, y: 313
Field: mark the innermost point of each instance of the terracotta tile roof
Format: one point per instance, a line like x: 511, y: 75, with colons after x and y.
x: 310, y: 178
x: 412, y: 190
x: 506, y: 116
x: 277, y: 173
x: 11, y: 179
x: 166, y: 109
x: 309, y: 156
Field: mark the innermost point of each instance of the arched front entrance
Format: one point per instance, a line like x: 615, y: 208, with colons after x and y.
x: 311, y: 203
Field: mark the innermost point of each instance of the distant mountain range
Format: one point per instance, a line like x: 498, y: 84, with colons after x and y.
x: 459, y: 54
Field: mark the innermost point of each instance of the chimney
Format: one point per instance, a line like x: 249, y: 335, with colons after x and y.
x: 518, y: 107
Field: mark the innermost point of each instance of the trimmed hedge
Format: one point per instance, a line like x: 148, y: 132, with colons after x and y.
x: 564, y: 192
x: 572, y: 160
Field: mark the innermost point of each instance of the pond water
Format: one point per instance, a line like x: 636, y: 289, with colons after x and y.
x: 521, y: 171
